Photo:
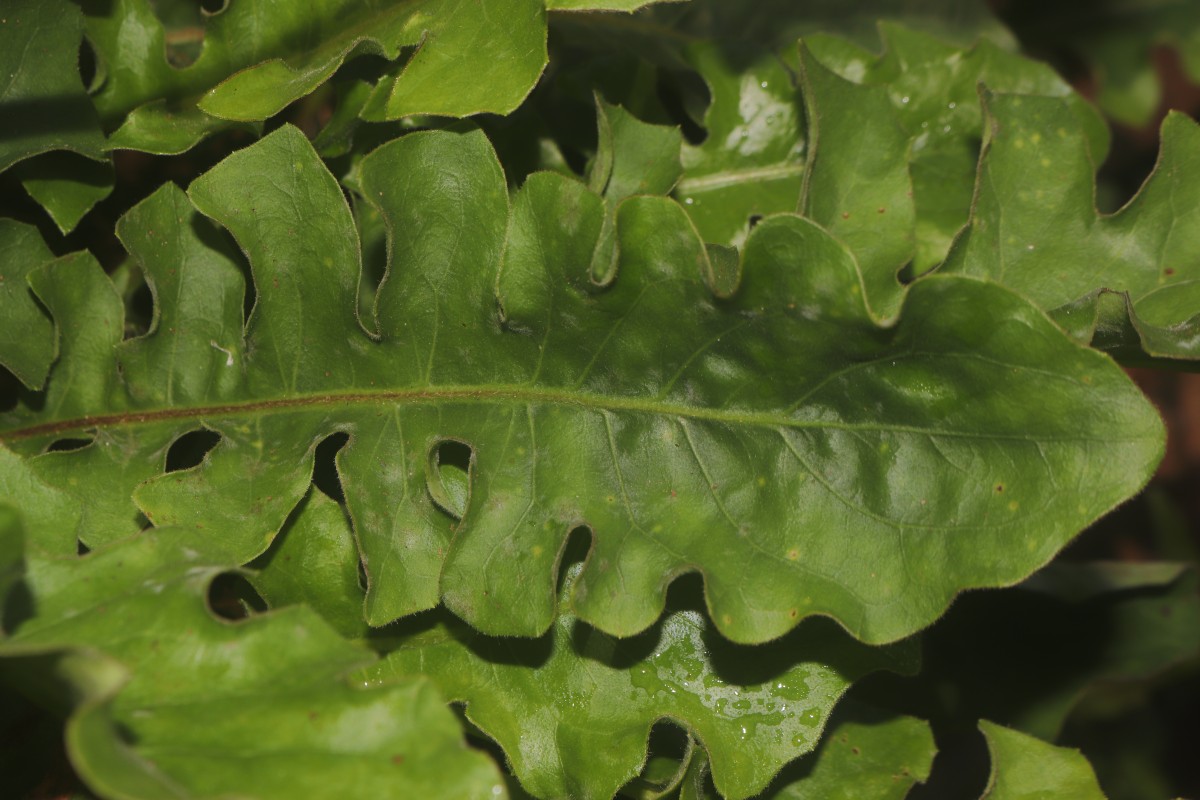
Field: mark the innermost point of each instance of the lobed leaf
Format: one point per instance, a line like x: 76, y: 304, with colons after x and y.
x: 863, y: 754
x: 687, y: 433
x: 42, y: 97
x: 932, y: 89
x: 26, y: 334
x: 1035, y: 228
x: 260, y: 708
x: 751, y: 162
x: 573, y: 710
x: 1025, y: 767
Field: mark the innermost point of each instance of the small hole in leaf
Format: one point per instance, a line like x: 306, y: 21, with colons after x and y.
x: 575, y: 551
x: 230, y: 596
x: 81, y: 549
x: 87, y: 63
x: 10, y: 390
x: 66, y: 445
x: 667, y: 749
x: 449, y: 476
x: 190, y: 449
x: 755, y: 219
x: 211, y: 7
x: 325, y: 474
x: 139, y: 311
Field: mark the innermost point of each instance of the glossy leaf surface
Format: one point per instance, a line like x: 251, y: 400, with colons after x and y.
x: 260, y: 708
x: 573, y: 710
x: 688, y: 434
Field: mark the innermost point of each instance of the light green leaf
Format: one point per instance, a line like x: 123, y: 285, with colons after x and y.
x: 42, y: 98
x: 1035, y: 227
x: 260, y: 708
x: 863, y: 754
x: 573, y: 709
x: 856, y: 180
x: 50, y: 517
x: 66, y: 185
x: 751, y: 162
x: 688, y: 434
x: 256, y: 60
x: 632, y: 158
x: 26, y: 333
x: 934, y: 89
x: 1025, y: 768
x: 314, y: 562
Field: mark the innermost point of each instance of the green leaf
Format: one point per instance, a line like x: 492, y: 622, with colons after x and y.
x: 26, y: 333
x: 573, y: 709
x: 1026, y: 657
x: 856, y: 181
x: 778, y: 422
x: 1035, y: 227
x: 751, y: 162
x: 12, y: 559
x: 864, y: 753
x: 42, y: 98
x: 50, y: 517
x: 255, y: 61
x: 602, y: 5
x: 66, y: 185
x: 1025, y: 768
x: 933, y: 88
x: 314, y: 562
x: 632, y: 158
x: 261, y: 708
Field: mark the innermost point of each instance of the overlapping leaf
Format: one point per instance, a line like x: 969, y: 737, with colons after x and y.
x: 932, y: 91
x: 261, y: 708
x: 573, y: 710
x: 1026, y: 767
x: 863, y: 754
x: 1035, y: 228
x: 42, y: 97
x: 687, y: 433
x: 751, y: 162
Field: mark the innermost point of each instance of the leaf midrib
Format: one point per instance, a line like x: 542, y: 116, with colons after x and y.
x: 517, y: 394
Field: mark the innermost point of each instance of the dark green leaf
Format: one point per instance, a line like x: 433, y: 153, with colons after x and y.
x: 1025, y: 657
x: 26, y: 333
x: 42, y: 98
